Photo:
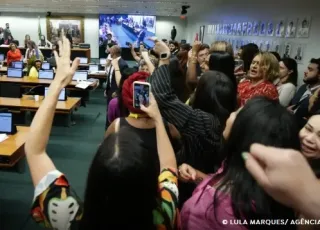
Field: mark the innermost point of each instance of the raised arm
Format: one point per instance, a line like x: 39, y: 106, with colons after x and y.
x: 133, y: 53
x: 192, y: 77
x: 182, y: 116
x: 146, y: 58
x: 35, y: 147
x: 165, y: 151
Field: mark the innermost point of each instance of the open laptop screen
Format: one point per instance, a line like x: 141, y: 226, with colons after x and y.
x: 83, y: 60
x: 93, y: 68
x: 17, y: 64
x: 103, y: 61
x: 62, y: 95
x: 45, y: 66
x: 80, y: 75
x: 12, y: 72
x: 46, y: 74
x: 5, y: 122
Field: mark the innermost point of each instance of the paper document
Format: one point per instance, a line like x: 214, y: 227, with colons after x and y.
x: 3, y: 137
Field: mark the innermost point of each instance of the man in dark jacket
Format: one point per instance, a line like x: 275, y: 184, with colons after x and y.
x: 300, y: 102
x: 111, y: 82
x: 173, y: 33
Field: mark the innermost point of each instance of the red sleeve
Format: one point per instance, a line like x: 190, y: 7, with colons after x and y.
x: 271, y: 92
x: 9, y: 57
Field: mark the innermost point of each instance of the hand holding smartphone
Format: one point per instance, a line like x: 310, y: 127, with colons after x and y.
x: 141, y: 94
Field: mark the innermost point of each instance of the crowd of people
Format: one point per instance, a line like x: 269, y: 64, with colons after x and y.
x: 217, y: 142
x: 33, y: 56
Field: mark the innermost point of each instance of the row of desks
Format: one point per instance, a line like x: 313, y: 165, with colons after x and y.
x: 12, y: 149
x: 101, y: 76
x: 75, y: 52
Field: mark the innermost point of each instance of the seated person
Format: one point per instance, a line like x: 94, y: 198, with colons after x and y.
x: 43, y: 42
x: 13, y: 54
x: 300, y: 102
x: 52, y: 59
x: 34, y: 71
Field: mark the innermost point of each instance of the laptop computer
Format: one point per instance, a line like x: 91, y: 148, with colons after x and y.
x: 45, y: 66
x: 1, y: 57
x: 6, y: 123
x: 103, y: 61
x: 83, y: 60
x: 62, y: 95
x: 80, y: 75
x: 13, y: 72
x: 46, y: 74
x: 93, y: 68
x: 17, y: 64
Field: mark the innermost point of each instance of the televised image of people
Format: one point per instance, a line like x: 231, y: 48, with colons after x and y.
x: 126, y: 28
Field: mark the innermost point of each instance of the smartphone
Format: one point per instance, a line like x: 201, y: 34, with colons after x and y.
x: 141, y: 94
x: 128, y: 44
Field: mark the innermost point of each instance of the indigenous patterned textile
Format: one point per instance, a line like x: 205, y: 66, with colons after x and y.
x: 56, y: 206
x: 247, y: 91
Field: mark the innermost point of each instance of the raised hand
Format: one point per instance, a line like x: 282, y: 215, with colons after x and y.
x: 159, y: 46
x: 65, y: 72
x: 152, y: 110
x: 196, y: 47
x: 187, y: 173
x: 276, y: 170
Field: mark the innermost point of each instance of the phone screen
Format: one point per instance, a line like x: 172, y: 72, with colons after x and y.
x: 141, y: 95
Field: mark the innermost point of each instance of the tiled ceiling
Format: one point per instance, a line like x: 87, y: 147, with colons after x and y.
x: 147, y: 7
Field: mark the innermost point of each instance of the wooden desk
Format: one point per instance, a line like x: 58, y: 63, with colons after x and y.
x: 33, y: 82
x: 98, y: 75
x: 4, y: 69
x: 12, y: 149
x: 27, y: 103
x: 75, y: 52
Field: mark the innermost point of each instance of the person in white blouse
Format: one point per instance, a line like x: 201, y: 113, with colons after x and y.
x: 287, y: 82
x: 43, y: 42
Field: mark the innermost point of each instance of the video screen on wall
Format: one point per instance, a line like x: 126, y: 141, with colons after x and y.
x: 126, y: 28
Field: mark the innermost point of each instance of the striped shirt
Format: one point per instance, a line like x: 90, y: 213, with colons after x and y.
x: 201, y: 132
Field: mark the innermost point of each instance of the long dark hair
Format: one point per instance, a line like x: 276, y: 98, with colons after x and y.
x: 178, y: 79
x: 216, y: 94
x: 263, y: 121
x: 249, y: 51
x: 122, y: 182
x: 291, y: 65
x: 223, y: 62
x: 124, y: 112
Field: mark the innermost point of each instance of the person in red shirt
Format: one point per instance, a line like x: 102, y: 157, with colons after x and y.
x: 264, y: 69
x: 13, y: 54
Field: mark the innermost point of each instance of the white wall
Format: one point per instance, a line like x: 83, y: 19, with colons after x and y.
x: 22, y: 24
x: 165, y: 24
x: 252, y: 10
